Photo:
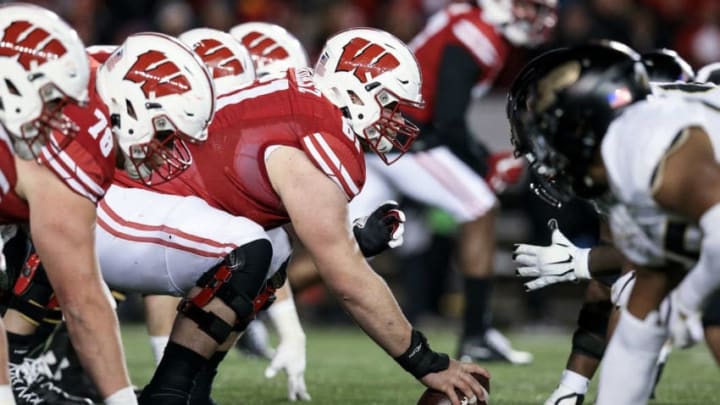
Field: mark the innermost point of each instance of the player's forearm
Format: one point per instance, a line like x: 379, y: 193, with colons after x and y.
x: 604, y: 259
x: 66, y: 245
x: 375, y: 310
x: 94, y: 331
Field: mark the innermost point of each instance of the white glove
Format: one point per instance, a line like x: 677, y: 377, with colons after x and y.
x: 290, y: 353
x: 685, y: 325
x: 561, y: 261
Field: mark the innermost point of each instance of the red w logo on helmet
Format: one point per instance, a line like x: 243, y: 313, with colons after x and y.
x: 217, y: 56
x: 158, y: 75
x: 367, y: 60
x: 32, y: 44
x: 264, y: 47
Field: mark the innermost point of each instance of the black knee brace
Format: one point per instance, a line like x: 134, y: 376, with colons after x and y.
x: 32, y: 294
x: 16, y: 251
x: 236, y: 282
x: 590, y: 336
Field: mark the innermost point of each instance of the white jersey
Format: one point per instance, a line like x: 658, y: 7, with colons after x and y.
x: 632, y: 150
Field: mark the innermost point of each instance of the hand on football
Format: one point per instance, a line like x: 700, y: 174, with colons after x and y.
x: 458, y: 378
x: 290, y: 357
x: 380, y: 230
x: 558, y: 262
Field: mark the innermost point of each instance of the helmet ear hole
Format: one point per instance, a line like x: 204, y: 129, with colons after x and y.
x: 354, y: 98
x: 11, y: 87
x: 130, y: 109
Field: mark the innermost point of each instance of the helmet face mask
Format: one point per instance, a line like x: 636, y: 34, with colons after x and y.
x: 43, y: 68
x: 36, y: 134
x: 160, y: 95
x: 163, y: 158
x: 371, y: 75
x: 391, y: 131
x: 560, y: 107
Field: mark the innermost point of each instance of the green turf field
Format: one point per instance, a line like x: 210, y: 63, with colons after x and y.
x: 345, y: 367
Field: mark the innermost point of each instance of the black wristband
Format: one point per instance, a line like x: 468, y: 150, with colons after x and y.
x: 419, y: 360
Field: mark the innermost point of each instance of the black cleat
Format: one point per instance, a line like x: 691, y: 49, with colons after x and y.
x: 32, y: 385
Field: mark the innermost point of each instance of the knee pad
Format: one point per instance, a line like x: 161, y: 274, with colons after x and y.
x: 237, y: 281
x: 589, y: 338
x: 32, y: 294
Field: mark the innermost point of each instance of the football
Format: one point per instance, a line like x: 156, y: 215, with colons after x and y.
x: 433, y: 397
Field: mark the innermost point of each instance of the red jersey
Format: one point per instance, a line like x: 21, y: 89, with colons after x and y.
x: 12, y: 208
x: 462, y: 25
x: 228, y: 170
x: 86, y: 165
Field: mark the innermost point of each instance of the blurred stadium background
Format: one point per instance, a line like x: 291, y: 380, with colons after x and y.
x: 420, y: 273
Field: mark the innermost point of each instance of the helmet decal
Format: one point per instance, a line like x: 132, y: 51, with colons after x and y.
x: 30, y: 43
x: 220, y: 58
x: 158, y: 74
x: 260, y: 44
x: 365, y: 59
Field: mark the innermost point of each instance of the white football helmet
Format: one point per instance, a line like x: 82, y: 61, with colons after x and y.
x: 369, y: 74
x: 159, y: 94
x: 522, y: 22
x: 271, y: 46
x: 228, y: 61
x: 43, y: 67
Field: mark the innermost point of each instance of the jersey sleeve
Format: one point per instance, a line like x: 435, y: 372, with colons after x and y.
x: 78, y: 169
x: 87, y: 164
x: 339, y: 160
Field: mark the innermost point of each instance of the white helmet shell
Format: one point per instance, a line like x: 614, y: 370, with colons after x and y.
x: 153, y: 85
x: 229, y: 62
x: 522, y: 22
x: 271, y: 46
x: 42, y: 59
x: 367, y: 72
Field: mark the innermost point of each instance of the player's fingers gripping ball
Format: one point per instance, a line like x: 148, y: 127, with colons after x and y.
x: 434, y: 397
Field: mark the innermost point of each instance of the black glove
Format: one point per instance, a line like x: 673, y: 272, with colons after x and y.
x: 382, y: 229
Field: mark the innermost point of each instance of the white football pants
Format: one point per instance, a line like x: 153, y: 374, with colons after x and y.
x: 436, y: 177
x: 156, y: 243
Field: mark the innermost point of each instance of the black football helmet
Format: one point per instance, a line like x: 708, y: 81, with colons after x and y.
x: 560, y: 106
x: 666, y: 66
x: 709, y: 74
